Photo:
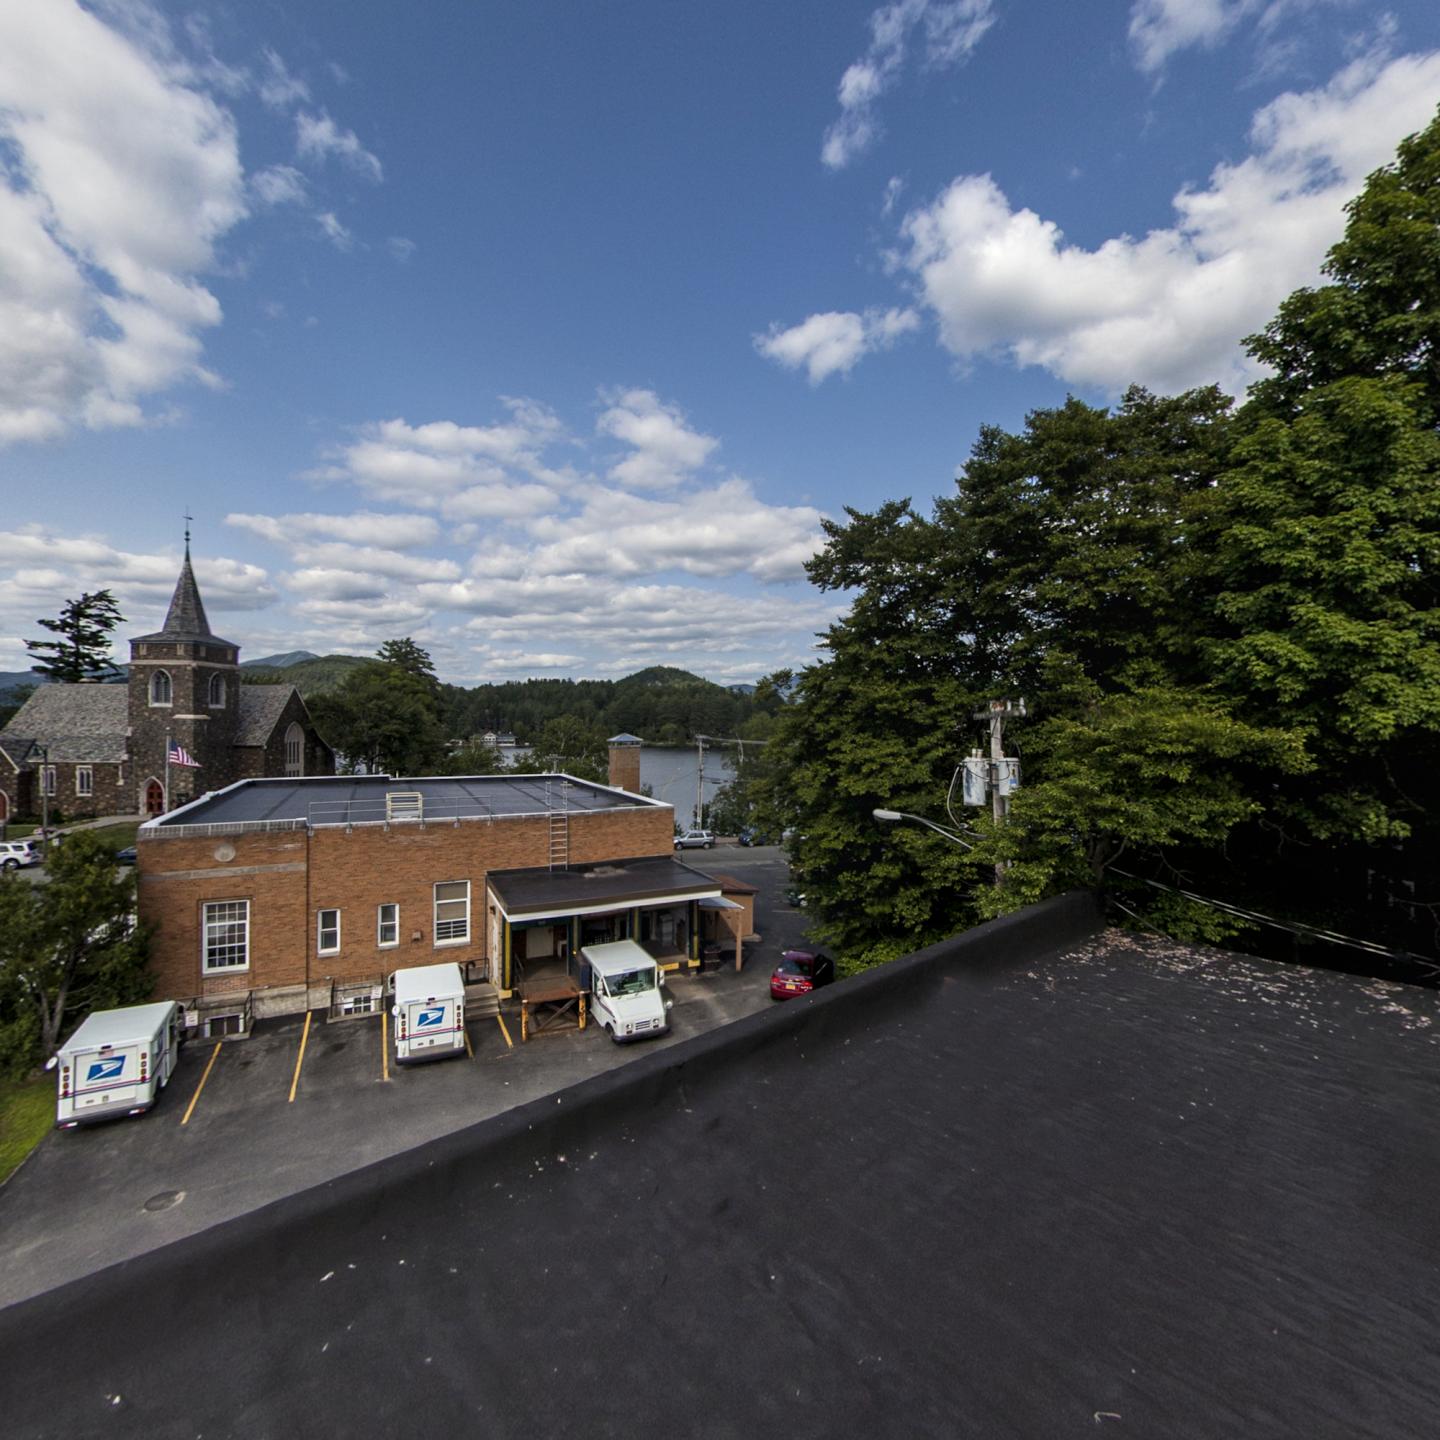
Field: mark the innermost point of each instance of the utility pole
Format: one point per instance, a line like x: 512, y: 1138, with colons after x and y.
x: 699, y: 781
x: 996, y: 713
x: 45, y: 794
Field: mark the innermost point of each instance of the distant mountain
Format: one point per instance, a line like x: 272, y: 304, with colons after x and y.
x: 741, y: 688
x: 662, y: 675
x: 279, y: 662
x: 13, y: 679
x: 310, y: 676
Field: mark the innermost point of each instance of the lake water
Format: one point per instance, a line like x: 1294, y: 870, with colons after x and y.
x: 672, y: 773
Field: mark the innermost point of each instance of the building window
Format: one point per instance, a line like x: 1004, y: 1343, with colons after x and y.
x: 226, y: 929
x: 161, y: 691
x: 84, y: 780
x: 452, y: 912
x: 295, y: 750
x: 327, y: 932
x: 48, y: 779
x: 387, y: 926
x: 217, y: 691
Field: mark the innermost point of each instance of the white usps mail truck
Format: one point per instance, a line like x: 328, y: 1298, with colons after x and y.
x: 117, y: 1062
x: 429, y: 1012
x: 626, y: 998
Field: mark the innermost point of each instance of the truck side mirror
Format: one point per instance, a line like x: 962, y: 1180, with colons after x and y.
x: 52, y: 1062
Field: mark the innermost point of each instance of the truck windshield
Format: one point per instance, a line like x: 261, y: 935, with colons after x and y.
x: 631, y: 982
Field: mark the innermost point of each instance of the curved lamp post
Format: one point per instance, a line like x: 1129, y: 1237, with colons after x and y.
x: 895, y: 815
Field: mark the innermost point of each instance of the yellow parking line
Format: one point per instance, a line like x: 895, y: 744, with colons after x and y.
x: 300, y: 1058
x: 214, y: 1055
x: 509, y: 1043
x: 384, y: 1045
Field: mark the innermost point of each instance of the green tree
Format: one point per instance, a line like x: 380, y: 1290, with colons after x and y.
x: 1061, y: 570
x: 83, y: 650
x: 384, y: 718
x: 1380, y: 313
x: 568, y: 745
x: 68, y: 946
x: 406, y: 655
x: 11, y: 701
x: 473, y: 758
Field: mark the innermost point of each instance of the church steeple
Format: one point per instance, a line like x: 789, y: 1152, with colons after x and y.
x: 186, y: 615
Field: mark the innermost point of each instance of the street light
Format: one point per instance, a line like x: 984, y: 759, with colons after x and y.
x: 950, y: 835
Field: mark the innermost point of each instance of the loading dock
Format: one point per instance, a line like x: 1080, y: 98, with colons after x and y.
x: 550, y: 1003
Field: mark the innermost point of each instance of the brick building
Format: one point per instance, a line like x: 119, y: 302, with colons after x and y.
x: 101, y: 749
x: 275, y: 896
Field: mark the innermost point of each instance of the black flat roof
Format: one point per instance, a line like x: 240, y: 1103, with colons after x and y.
x: 361, y: 799
x: 615, y: 881
x: 1129, y: 1188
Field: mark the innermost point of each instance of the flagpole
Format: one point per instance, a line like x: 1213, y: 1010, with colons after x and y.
x: 167, y: 770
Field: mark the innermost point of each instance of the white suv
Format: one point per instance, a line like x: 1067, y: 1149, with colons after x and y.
x: 15, y: 853
x: 695, y: 840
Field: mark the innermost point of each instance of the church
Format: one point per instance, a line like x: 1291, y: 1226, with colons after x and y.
x: 182, y: 725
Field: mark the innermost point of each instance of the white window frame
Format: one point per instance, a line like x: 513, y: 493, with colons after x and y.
x: 216, y: 692
x: 380, y: 939
x: 207, y: 967
x: 47, y: 780
x: 84, y: 781
x: 321, y: 948
x: 451, y: 936
x: 155, y: 679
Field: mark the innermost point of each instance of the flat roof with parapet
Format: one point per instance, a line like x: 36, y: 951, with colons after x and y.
x: 372, y: 799
x: 540, y: 893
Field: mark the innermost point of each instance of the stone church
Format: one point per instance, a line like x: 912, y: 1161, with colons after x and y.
x: 101, y: 749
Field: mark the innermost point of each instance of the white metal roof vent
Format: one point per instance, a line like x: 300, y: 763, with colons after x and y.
x: 404, y: 805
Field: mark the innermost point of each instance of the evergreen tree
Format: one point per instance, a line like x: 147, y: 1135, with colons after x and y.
x: 83, y: 650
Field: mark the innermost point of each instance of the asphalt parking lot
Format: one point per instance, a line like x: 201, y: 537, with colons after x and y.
x: 227, y: 1137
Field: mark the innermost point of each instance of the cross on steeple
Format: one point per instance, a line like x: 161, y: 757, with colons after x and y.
x: 188, y: 518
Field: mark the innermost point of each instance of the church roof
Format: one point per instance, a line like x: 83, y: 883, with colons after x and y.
x: 76, y: 723
x: 260, y: 709
x: 186, y: 618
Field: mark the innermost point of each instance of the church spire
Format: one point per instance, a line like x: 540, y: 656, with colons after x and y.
x: 186, y: 615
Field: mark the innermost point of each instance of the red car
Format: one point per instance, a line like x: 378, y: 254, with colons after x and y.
x: 799, y: 972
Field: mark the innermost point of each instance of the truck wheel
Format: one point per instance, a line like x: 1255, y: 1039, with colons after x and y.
x: 11, y: 865
x: 614, y: 1038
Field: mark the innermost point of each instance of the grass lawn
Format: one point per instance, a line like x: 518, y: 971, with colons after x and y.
x: 27, y: 1111
x: 117, y: 837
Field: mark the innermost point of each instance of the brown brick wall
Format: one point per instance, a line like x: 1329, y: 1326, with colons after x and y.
x: 354, y: 872
x: 110, y: 795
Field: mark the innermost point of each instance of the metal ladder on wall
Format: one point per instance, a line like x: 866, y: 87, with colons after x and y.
x: 559, y: 827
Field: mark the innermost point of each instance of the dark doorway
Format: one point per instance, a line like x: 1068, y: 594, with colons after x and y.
x: 154, y: 798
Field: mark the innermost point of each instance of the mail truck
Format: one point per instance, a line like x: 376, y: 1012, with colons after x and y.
x: 429, y: 1012
x: 117, y: 1062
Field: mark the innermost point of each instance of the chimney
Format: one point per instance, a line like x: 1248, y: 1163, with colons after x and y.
x: 625, y: 762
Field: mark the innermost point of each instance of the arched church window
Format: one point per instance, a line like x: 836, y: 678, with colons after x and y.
x: 217, y: 691
x: 160, y: 688
x: 295, y: 750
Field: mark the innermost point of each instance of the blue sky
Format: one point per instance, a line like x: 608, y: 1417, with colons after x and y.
x: 547, y: 333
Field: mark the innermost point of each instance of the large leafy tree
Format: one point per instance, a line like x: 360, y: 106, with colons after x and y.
x: 83, y: 650
x: 568, y: 746
x: 1060, y: 569
x: 67, y: 947
x: 385, y: 714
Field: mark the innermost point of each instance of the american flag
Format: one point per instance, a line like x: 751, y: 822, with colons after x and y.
x: 179, y: 755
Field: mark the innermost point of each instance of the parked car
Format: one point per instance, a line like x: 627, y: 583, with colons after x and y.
x: 695, y: 840
x: 17, y: 854
x: 799, y: 972
x: 751, y: 836
x: 125, y: 856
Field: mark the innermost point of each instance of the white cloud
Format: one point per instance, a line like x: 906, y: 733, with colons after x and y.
x: 400, y: 248
x: 41, y: 569
x: 893, y: 188
x: 952, y: 29
x: 664, y: 448
x: 334, y: 231
x: 317, y: 137
x: 833, y: 342
x: 1168, y: 309
x: 279, y: 185
x: 278, y: 88
x: 1158, y: 28
x: 364, y: 527
x: 117, y: 180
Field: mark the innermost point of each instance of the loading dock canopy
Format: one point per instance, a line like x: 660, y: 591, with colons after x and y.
x: 544, y: 894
